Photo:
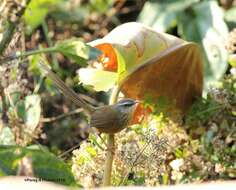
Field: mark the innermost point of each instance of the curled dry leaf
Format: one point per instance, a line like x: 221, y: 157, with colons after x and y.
x: 175, y: 74
x: 150, y: 63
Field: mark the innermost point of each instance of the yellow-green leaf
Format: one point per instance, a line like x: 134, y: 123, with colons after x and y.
x: 99, y: 79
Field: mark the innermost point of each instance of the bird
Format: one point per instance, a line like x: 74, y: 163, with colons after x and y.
x: 108, y: 119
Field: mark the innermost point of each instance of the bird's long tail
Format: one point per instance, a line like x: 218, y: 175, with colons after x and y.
x: 68, y: 92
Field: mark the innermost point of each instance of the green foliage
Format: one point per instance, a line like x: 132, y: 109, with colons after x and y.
x: 232, y: 60
x: 208, y: 27
x: 77, y: 50
x: 7, y: 136
x: 230, y: 16
x: 162, y: 15
x: 203, y: 109
x: 222, y: 97
x: 45, y: 165
x: 37, y: 11
x: 100, y: 5
x: 25, y: 115
x: 30, y: 110
x: 160, y: 106
x: 198, y: 21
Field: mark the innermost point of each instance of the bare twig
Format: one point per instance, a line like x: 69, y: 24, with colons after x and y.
x: 4, y: 105
x: 69, y: 150
x: 109, y: 160
x: 109, y: 16
x: 27, y: 53
x: 49, y: 41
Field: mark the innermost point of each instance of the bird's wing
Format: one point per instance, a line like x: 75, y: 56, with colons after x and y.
x: 105, y: 119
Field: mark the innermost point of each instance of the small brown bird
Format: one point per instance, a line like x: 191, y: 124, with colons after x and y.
x: 107, y: 119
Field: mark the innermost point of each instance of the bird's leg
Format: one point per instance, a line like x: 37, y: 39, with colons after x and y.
x: 112, y: 149
x: 94, y: 131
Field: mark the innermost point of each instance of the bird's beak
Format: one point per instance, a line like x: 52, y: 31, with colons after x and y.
x: 137, y: 101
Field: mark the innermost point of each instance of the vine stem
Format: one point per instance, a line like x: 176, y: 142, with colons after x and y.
x: 109, y: 160
x: 50, y: 43
x: 4, y: 105
x: 110, y: 145
x: 28, y: 53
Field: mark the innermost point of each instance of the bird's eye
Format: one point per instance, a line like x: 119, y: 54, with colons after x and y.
x: 127, y: 105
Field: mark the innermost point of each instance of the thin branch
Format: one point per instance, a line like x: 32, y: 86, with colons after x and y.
x: 4, y: 105
x: 110, y: 145
x: 109, y: 160
x: 28, y: 53
x: 69, y: 150
x: 11, y: 103
x: 49, y: 42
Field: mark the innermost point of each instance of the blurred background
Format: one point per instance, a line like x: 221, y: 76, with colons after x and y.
x: 56, y: 122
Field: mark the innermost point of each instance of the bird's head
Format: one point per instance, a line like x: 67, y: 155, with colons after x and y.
x: 126, y: 105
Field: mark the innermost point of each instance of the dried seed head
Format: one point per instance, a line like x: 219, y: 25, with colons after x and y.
x: 231, y: 42
x: 11, y: 9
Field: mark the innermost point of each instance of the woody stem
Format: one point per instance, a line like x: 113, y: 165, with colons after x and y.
x: 111, y: 145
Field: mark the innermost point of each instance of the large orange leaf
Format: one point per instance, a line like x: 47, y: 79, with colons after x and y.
x: 148, y: 62
x: 175, y: 73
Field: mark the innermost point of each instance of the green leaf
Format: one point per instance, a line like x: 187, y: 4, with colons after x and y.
x: 29, y: 110
x: 33, y: 66
x: 77, y: 50
x: 101, y: 5
x: 230, y: 16
x: 162, y: 15
x: 7, y: 136
x: 232, y: 60
x: 124, y: 61
x: 33, y: 111
x: 99, y: 79
x: 204, y: 24
x: 36, y: 12
x: 198, y: 21
x: 45, y: 165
